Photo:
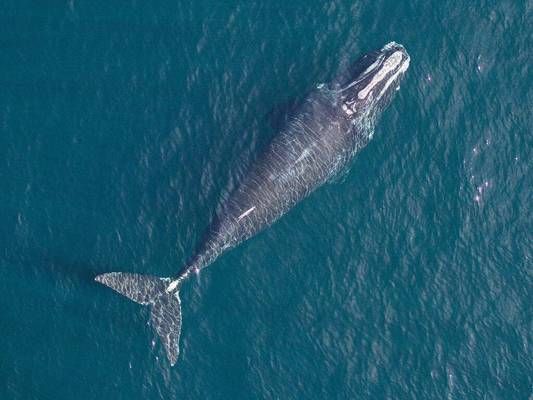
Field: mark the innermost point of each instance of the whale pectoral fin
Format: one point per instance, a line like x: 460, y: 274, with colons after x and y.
x: 165, y: 312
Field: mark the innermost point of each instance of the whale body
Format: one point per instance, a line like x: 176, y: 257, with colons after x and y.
x: 327, y: 129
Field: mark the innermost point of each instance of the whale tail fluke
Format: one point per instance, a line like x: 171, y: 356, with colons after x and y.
x: 165, y: 307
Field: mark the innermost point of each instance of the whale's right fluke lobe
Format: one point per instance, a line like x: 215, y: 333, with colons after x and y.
x: 165, y: 317
x: 165, y: 312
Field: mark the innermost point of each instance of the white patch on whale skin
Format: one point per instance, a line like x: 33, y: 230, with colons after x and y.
x: 401, y: 70
x: 369, y: 69
x: 244, y: 214
x: 373, y: 65
x: 347, y: 109
x: 390, y: 63
x: 390, y: 45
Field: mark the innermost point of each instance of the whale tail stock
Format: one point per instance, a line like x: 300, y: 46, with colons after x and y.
x: 165, y: 306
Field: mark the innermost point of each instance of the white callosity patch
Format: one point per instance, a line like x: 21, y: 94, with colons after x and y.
x: 389, y: 65
x: 349, y: 111
x: 373, y: 65
x: 401, y: 70
x: 367, y: 71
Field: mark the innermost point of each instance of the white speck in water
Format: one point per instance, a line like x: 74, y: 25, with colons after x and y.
x: 480, y: 64
x: 480, y: 190
x: 451, y: 384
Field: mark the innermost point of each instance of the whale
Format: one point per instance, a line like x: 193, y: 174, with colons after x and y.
x: 332, y: 123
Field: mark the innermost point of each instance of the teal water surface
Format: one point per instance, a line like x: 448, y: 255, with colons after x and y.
x: 123, y: 124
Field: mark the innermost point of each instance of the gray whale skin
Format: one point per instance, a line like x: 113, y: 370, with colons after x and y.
x: 328, y: 128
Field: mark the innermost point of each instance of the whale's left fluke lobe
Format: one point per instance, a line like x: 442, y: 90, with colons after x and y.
x: 165, y: 307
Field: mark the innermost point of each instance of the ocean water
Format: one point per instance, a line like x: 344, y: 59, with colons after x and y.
x: 123, y: 124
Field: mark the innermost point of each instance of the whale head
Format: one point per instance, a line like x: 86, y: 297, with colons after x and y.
x: 370, y: 83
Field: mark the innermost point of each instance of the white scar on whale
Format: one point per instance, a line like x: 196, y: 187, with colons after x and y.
x: 244, y: 214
